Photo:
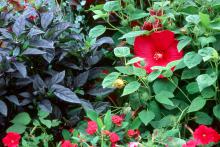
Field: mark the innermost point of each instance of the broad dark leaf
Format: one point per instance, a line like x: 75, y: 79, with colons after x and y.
x: 101, y: 106
x: 100, y: 91
x: 19, y: 26
x: 86, y: 104
x: 81, y: 79
x: 3, y: 108
x: 57, y: 78
x: 42, y: 43
x: 58, y: 29
x: 21, y: 68
x: 33, y: 51
x: 65, y: 94
x: 92, y: 60
x: 50, y: 54
x: 103, y: 40
x: 5, y: 33
x: 45, y: 105
x: 38, y: 83
x: 13, y: 99
x: 34, y: 32
x: 46, y: 19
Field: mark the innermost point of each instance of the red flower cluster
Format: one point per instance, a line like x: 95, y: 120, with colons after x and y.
x: 12, y: 139
x: 158, y: 49
x: 114, y: 138
x: 156, y: 23
x: 67, y: 143
x: 32, y: 17
x: 203, y: 135
x: 133, y: 133
x: 92, y: 127
x: 117, y: 120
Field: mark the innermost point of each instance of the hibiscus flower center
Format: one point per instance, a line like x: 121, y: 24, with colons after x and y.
x: 158, y: 55
x: 203, y: 135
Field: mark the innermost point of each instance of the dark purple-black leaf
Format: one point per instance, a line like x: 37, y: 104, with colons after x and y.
x: 21, y: 68
x: 46, y: 19
x: 13, y: 99
x: 65, y: 94
x: 57, y: 78
x: 19, y: 26
x: 100, y: 91
x: 81, y: 79
x: 3, y: 108
x: 42, y: 43
x: 34, y: 32
x: 49, y: 55
x: 103, y: 40
x: 33, y: 51
x: 45, y: 105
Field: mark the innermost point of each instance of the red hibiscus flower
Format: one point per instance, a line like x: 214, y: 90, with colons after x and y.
x: 190, y: 143
x: 92, y: 127
x: 158, y: 49
x: 67, y: 143
x: 12, y: 139
x: 116, y: 119
x: 205, y: 135
x: 114, y: 137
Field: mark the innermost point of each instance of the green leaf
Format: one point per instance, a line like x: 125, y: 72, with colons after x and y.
x: 205, y: 80
x: 140, y: 72
x: 215, y: 25
x: 166, y: 121
x: 22, y: 119
x: 135, y: 123
x: 193, y: 19
x: 97, y: 31
x: 203, y: 118
x: 107, y: 120
x: 92, y: 115
x: 206, y: 40
x: 112, y: 6
x: 154, y: 75
x: 146, y: 116
x: 164, y: 85
x: 197, y: 104
x: 131, y: 87
x: 125, y: 69
x: 109, y: 79
x: 134, y: 34
x: 192, y: 59
x: 138, y: 15
x: 183, y: 43
x: 216, y: 111
x: 134, y: 60
x: 163, y: 97
x: 192, y: 88
x: 190, y: 73
x: 17, y: 128
x: 66, y: 134
x: 46, y: 122
x: 206, y: 53
x: 205, y: 20
x: 122, y: 51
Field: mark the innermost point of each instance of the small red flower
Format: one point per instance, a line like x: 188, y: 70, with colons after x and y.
x: 67, y: 143
x: 32, y: 17
x: 114, y: 137
x: 134, y: 24
x: 92, y: 127
x: 116, y: 119
x: 152, y: 25
x: 190, y: 143
x: 12, y: 139
x: 133, y: 133
x: 205, y: 135
x: 71, y: 130
x: 147, y: 26
x: 105, y: 71
x: 158, y: 49
x: 156, y: 13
